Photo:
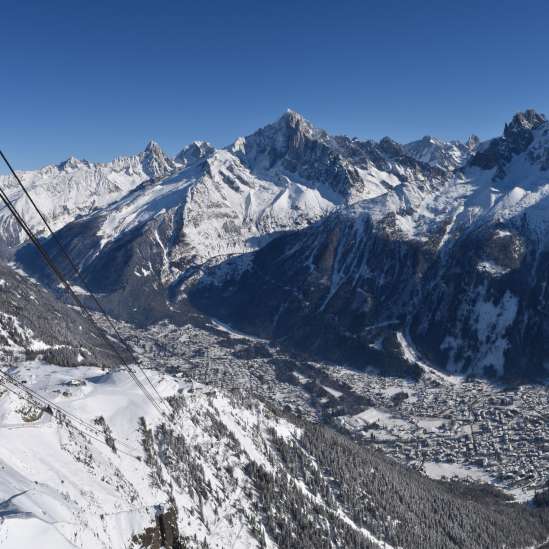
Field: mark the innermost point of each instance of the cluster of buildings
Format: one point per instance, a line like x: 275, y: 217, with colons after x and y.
x: 478, y: 429
x: 442, y: 425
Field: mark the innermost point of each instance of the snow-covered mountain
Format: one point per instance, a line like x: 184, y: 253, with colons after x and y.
x: 459, y: 268
x: 335, y: 245
x: 218, y: 203
x: 75, y: 187
x: 448, y: 155
x: 221, y: 471
x: 355, y: 251
x: 288, y: 165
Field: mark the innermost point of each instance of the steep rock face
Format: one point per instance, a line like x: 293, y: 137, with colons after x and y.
x: 331, y: 290
x: 447, y: 155
x: 461, y: 268
x: 293, y: 146
x: 218, y: 203
x: 197, y: 150
x: 155, y: 162
x: 482, y: 307
x: 517, y: 138
x: 352, y: 168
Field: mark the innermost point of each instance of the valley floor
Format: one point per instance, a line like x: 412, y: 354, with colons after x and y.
x: 443, y: 425
x: 224, y: 470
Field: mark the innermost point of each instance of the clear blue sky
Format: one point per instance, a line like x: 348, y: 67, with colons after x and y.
x: 100, y: 78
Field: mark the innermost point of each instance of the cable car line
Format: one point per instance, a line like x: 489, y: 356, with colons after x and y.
x: 32, y: 397
x: 76, y: 299
x: 79, y: 274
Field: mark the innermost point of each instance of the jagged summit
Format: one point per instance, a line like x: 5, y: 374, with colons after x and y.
x: 195, y: 151
x: 292, y: 121
x: 292, y: 117
x: 155, y: 162
x: 153, y: 147
x: 430, y: 139
x: 472, y: 142
x: 390, y: 147
x: 526, y: 120
x: 518, y: 136
x: 447, y: 155
x: 276, y: 142
x: 518, y: 132
x: 72, y: 163
x: 269, y: 144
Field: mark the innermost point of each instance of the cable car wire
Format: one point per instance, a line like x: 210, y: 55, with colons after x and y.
x: 31, y: 396
x: 77, y: 300
x: 78, y: 273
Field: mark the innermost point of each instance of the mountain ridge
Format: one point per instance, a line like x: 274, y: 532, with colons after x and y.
x: 352, y: 252
x: 391, y: 225
x: 393, y: 258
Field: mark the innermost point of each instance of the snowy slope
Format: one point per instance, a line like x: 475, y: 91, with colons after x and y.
x: 76, y: 187
x: 448, y: 155
x: 461, y: 263
x: 67, y: 490
x: 225, y: 208
x: 79, y: 493
x: 220, y: 471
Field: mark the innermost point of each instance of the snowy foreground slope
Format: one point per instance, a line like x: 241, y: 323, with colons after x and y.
x: 59, y: 486
x: 220, y: 471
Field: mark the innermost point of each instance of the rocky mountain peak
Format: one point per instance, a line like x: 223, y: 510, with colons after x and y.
x: 527, y: 120
x: 472, y: 142
x: 292, y: 118
x: 195, y: 151
x: 282, y: 139
x: 292, y: 123
x: 390, y: 147
x: 519, y: 131
x: 517, y: 137
x: 73, y: 163
x: 430, y: 140
x: 447, y: 155
x: 155, y: 162
x: 153, y: 148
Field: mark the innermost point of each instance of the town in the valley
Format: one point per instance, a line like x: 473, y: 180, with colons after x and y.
x: 445, y: 426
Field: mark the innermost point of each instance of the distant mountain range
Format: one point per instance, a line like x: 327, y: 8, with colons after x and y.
x: 370, y: 253
x: 76, y: 187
